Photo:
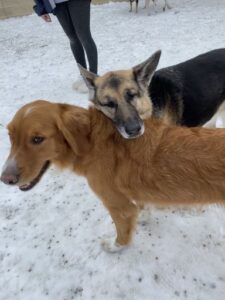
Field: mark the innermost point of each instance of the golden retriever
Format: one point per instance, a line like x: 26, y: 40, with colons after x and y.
x: 167, y: 165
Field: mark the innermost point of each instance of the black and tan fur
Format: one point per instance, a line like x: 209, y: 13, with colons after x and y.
x: 187, y: 94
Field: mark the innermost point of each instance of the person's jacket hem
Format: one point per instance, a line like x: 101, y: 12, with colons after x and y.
x: 43, y: 7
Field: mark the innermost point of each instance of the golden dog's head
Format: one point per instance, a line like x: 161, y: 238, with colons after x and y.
x: 40, y: 133
x: 123, y: 95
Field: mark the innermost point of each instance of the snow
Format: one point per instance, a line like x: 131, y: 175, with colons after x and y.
x: 50, y: 237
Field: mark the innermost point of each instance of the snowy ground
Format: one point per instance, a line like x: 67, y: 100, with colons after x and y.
x: 49, y: 237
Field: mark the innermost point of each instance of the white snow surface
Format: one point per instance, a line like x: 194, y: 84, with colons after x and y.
x: 50, y: 236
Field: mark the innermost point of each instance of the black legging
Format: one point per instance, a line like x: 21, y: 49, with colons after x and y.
x: 74, y: 17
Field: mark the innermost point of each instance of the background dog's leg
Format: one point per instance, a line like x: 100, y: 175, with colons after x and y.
x: 130, y: 6
x: 147, y: 5
x: 166, y: 5
x: 136, y: 6
x: 124, y: 217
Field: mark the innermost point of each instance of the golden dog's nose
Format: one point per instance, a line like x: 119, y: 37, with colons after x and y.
x: 10, y: 173
x: 9, y: 178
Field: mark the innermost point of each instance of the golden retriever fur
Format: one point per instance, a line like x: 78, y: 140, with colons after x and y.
x: 167, y: 165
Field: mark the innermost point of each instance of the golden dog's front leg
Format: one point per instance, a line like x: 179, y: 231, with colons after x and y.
x: 124, y: 216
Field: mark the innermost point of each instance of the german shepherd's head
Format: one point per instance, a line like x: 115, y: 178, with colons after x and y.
x: 123, y: 95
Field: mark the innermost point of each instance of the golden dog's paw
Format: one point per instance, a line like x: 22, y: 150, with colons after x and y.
x: 110, y: 245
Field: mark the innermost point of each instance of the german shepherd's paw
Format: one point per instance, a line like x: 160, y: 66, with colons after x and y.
x: 110, y: 245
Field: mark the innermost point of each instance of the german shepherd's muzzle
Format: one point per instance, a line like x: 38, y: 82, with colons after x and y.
x: 123, y: 95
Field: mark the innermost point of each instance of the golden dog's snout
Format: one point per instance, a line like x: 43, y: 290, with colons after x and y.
x: 10, y: 173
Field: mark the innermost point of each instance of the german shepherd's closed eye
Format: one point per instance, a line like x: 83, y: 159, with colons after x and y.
x: 187, y: 94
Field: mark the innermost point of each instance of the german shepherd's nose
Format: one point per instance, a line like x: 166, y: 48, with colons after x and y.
x: 132, y: 128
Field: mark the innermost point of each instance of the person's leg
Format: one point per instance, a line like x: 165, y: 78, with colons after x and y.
x: 62, y: 13
x: 80, y: 14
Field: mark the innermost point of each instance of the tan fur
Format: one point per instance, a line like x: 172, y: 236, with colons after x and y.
x: 168, y: 116
x: 104, y: 91
x: 167, y: 165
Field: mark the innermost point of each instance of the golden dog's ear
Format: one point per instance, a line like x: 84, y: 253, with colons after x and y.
x: 74, y: 124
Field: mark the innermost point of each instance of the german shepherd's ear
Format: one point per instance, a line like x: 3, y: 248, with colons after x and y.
x: 144, y: 71
x: 74, y: 124
x: 89, y: 79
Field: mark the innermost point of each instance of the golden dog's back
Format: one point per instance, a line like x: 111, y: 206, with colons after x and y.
x: 166, y: 165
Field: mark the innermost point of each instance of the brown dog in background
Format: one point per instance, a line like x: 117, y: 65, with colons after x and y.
x: 167, y: 165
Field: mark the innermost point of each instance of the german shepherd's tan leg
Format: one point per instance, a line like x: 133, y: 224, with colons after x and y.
x: 124, y: 216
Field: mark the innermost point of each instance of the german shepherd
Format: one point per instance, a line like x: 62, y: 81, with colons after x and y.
x: 168, y: 165
x: 187, y: 94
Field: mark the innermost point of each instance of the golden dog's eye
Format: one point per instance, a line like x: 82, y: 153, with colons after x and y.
x: 37, y: 140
